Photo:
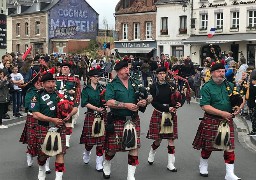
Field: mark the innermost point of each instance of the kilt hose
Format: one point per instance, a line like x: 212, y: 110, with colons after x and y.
x: 207, y: 132
x: 86, y: 136
x: 28, y: 135
x: 155, y: 127
x: 113, y: 141
x: 41, y: 132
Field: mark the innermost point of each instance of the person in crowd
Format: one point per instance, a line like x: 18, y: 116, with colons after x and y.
x: 17, y: 79
x: 230, y: 58
x: 206, y: 74
x: 163, y: 104
x: 145, y: 70
x: 197, y: 83
x: 120, y: 97
x: 243, y: 68
x: 216, y: 103
x: 4, y: 98
x: 92, y: 99
x: 44, y: 109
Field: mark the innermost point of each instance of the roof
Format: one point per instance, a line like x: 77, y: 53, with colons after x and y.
x: 161, y: 2
x: 223, y: 38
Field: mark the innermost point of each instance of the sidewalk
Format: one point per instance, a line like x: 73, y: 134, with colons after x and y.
x: 14, y: 119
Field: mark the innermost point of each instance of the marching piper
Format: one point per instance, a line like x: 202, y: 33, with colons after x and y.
x: 163, y: 122
x: 44, y: 109
x: 216, y: 130
x: 69, y: 86
x: 93, y: 133
x: 123, y: 123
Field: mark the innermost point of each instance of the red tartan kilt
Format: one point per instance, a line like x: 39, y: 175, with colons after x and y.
x: 112, y: 143
x: 41, y: 132
x: 23, y: 137
x: 86, y: 136
x: 207, y: 132
x: 155, y: 127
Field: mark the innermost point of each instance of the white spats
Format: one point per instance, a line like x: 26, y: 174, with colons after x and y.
x: 99, y: 163
x: 106, y: 169
x: 41, y: 173
x: 203, y: 167
x: 47, y: 166
x: 29, y: 160
x: 68, y: 140
x: 131, y: 172
x: 59, y: 175
x: 86, y: 156
x: 171, y: 161
x: 151, y: 156
x: 230, y: 172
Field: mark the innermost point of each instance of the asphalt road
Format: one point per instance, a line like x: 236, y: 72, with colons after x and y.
x: 13, y: 157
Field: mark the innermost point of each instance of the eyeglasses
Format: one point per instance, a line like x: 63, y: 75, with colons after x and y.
x: 162, y: 73
x: 96, y: 76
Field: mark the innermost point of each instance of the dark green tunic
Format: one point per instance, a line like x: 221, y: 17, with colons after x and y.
x: 90, y: 95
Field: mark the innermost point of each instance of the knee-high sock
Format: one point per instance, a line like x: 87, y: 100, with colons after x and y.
x: 171, y: 149
x: 205, y: 154
x: 154, y: 146
x: 88, y: 148
x: 108, y: 157
x: 69, y: 130
x: 229, y: 157
x: 133, y: 160
x: 59, y: 167
x: 99, y: 151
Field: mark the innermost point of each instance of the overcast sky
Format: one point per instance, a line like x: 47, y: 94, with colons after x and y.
x: 105, y: 8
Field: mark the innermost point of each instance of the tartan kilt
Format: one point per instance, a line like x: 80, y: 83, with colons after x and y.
x: 86, y: 136
x: 41, y: 132
x: 113, y: 141
x: 23, y: 137
x: 155, y: 127
x: 207, y: 132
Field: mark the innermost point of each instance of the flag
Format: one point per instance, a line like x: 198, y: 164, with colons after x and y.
x: 211, y: 33
x: 26, y: 53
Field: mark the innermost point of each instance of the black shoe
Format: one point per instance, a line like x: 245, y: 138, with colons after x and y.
x: 105, y: 176
x: 172, y: 170
x: 6, y: 116
x: 252, y: 133
x: 48, y: 172
x: 203, y: 175
x: 19, y: 114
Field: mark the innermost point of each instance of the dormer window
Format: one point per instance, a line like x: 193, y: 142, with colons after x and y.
x: 18, y: 9
x: 37, y: 6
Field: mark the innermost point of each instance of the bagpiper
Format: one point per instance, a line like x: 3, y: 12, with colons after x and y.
x: 216, y: 130
x: 69, y: 86
x: 43, y: 106
x: 123, y: 123
x: 93, y: 133
x: 163, y: 122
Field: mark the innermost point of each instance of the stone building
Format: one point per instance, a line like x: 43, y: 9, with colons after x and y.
x: 135, y: 26
x: 61, y: 26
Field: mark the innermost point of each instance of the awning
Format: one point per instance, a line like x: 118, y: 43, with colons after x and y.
x: 134, y: 50
x: 218, y: 39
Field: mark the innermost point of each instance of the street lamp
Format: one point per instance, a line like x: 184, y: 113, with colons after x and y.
x: 184, y: 6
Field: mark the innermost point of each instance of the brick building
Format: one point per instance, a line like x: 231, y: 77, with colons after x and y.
x: 135, y: 26
x: 60, y: 26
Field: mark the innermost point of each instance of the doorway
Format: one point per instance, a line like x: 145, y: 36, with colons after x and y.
x: 235, y: 49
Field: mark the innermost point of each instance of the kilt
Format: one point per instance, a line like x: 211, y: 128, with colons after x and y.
x: 86, y: 136
x: 155, y: 127
x: 41, y: 132
x: 207, y: 132
x: 113, y: 141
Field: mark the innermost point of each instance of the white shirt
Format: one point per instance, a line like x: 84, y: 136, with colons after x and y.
x: 16, y: 77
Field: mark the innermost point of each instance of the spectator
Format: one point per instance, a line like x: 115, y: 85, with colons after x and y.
x: 243, y: 68
x: 4, y: 98
x: 145, y: 69
x: 17, y: 79
x: 197, y: 83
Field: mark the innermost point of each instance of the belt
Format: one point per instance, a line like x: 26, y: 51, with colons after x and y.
x: 123, y: 118
x: 215, y: 116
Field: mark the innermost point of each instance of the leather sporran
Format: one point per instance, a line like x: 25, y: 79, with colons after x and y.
x: 52, y: 143
x: 166, y: 124
x: 98, y: 126
x: 222, y: 139
x: 129, y: 136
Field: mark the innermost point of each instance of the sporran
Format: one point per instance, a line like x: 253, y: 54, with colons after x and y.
x: 166, y: 124
x: 222, y: 139
x: 52, y: 143
x: 129, y: 135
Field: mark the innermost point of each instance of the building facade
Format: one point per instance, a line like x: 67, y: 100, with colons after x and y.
x: 135, y: 26
x: 235, y: 29
x: 172, y: 27
x: 61, y: 26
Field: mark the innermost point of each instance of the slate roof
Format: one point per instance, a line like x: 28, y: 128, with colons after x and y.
x: 161, y: 2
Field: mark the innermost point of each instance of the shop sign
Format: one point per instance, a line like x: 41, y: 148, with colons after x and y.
x: 170, y: 43
x: 135, y: 44
x: 211, y: 5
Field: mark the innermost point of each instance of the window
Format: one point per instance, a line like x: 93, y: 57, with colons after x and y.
x: 136, y: 31
x: 164, y: 26
x: 252, y: 18
x: 204, y: 21
x: 18, y: 48
x: 18, y: 29
x: 235, y: 20
x: 125, y: 31
x: 177, y: 51
x: 126, y: 3
x: 219, y: 20
x: 161, y: 49
x: 26, y: 29
x: 26, y: 47
x: 183, y: 25
x: 37, y: 28
x: 148, y: 30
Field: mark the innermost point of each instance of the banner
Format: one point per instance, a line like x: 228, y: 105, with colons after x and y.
x: 3, y: 31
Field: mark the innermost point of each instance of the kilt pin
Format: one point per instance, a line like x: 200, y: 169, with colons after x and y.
x: 207, y: 132
x: 28, y: 135
x: 86, y: 136
x: 155, y: 127
x: 114, y: 140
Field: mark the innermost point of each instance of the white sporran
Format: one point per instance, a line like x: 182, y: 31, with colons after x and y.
x: 52, y: 142
x: 166, y: 124
x: 98, y: 126
x: 222, y: 139
x: 129, y: 140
